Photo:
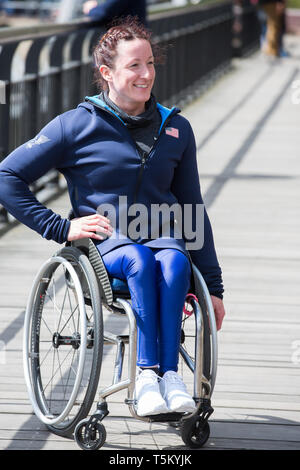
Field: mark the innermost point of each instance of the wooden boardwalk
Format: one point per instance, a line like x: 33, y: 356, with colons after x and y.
x: 248, y: 138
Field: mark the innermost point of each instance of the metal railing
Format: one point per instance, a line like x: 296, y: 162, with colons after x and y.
x: 48, y: 69
x: 246, y: 28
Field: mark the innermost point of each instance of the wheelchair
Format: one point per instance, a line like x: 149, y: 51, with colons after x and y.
x: 64, y: 340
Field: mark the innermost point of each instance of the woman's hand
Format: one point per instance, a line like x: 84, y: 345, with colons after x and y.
x: 219, y: 310
x: 86, y: 227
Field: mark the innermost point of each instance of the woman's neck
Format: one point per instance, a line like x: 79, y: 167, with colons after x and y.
x: 132, y: 110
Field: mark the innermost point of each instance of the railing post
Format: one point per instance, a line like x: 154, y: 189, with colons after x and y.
x: 245, y: 29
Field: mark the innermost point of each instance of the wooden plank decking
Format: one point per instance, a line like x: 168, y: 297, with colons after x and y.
x: 247, y: 131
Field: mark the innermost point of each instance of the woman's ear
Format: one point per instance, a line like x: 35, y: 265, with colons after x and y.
x: 105, y: 72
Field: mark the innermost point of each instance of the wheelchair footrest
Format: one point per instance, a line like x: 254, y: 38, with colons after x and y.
x: 165, y: 417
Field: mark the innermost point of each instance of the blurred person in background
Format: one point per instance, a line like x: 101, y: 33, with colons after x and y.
x: 274, y: 10
x: 110, y: 9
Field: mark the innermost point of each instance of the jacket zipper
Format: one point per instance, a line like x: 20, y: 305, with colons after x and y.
x: 145, y: 155
x: 140, y: 175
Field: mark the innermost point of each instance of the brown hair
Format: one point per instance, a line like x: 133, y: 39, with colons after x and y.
x: 127, y: 29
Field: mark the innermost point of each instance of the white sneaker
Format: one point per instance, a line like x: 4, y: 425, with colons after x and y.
x: 148, y: 396
x: 175, y: 393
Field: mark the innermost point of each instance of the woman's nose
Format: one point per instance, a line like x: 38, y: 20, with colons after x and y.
x: 145, y: 72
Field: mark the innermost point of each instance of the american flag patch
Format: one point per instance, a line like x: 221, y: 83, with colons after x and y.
x: 172, y: 131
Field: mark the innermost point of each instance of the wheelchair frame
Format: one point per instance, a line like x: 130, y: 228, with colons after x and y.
x: 90, y: 433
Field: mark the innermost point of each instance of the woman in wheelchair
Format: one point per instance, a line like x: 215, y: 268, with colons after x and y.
x: 122, y: 143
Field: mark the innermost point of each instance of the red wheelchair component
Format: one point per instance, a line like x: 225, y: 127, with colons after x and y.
x: 188, y: 298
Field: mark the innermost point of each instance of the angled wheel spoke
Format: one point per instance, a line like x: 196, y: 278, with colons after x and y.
x: 68, y: 293
x: 64, y: 299
x: 67, y: 321
x: 56, y: 370
x: 47, y: 354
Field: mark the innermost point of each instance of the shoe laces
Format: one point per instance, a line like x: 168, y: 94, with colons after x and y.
x: 148, y: 376
x: 174, y: 378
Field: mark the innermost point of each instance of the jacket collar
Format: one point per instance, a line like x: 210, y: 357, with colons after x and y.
x: 165, y: 112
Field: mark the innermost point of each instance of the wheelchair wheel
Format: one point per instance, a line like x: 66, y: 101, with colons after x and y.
x: 194, y: 432
x: 202, y: 299
x: 63, y: 340
x: 188, y: 339
x: 90, y: 436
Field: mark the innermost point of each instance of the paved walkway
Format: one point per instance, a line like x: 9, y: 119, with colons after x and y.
x: 248, y: 139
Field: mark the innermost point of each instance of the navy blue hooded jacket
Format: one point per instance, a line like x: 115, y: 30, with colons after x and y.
x: 111, y: 9
x: 93, y: 149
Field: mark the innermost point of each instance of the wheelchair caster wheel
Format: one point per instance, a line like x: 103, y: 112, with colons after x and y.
x: 195, y: 433
x: 90, y: 435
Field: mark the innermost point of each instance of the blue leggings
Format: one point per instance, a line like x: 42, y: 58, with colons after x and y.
x: 158, y: 281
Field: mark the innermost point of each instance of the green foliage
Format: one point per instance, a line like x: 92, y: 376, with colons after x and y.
x: 293, y: 4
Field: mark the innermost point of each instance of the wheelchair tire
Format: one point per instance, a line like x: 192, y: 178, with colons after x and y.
x: 62, y: 356
x: 194, y: 433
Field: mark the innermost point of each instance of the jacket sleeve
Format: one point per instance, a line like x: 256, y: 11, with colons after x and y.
x: 21, y: 168
x: 109, y: 9
x: 186, y: 188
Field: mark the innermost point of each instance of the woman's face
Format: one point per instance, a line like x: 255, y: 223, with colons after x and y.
x: 131, y: 79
